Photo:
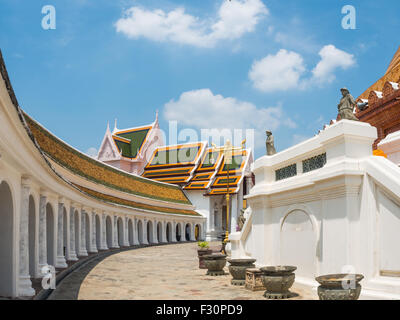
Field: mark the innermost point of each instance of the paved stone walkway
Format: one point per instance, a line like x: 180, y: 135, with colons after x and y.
x: 166, y: 272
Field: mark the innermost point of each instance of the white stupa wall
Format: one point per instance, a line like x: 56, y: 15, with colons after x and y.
x: 343, y: 217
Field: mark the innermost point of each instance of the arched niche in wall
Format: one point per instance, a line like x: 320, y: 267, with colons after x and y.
x: 298, y: 243
x: 6, y: 240
x: 389, y: 235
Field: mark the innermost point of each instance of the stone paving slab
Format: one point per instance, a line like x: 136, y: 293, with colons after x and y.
x: 166, y: 272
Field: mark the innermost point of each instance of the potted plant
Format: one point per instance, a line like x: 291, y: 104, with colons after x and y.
x: 203, y: 249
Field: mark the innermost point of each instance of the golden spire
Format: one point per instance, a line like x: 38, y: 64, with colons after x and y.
x: 395, y: 61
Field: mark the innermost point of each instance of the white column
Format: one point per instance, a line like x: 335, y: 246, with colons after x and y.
x: 164, y: 232
x: 192, y: 235
x: 234, y: 212
x: 125, y: 239
x: 72, y: 252
x: 103, y: 238
x: 67, y: 205
x: 213, y: 213
x: 125, y: 226
x: 115, y: 232
x: 37, y: 273
x: 82, y: 247
x: 42, y: 233
x: 173, y: 231
x: 219, y: 218
x: 249, y: 182
x: 92, y: 233
x: 155, y: 225
x: 183, y: 235
x: 135, y: 232
x: 60, y: 260
x: 24, y: 283
x: 145, y: 231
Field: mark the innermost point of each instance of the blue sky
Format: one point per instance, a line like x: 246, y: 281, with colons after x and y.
x: 278, y: 65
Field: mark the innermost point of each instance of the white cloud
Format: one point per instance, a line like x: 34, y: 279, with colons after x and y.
x: 286, y: 69
x: 202, y: 109
x: 331, y: 59
x: 92, y: 152
x: 277, y: 72
x: 235, y: 18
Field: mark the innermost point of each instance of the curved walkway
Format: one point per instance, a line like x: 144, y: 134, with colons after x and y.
x: 164, y: 272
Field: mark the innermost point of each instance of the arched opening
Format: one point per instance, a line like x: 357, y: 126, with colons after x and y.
x: 298, y: 243
x: 178, y: 232
x: 120, y: 226
x: 187, y: 232
x: 65, y: 228
x: 388, y: 227
x: 149, y: 232
x: 77, y: 235
x: 109, y: 232
x: 197, y: 232
x: 50, y: 235
x: 32, y: 236
x: 169, y: 232
x: 130, y: 232
x: 140, y: 231
x: 98, y: 232
x: 159, y: 232
x: 6, y: 240
x: 87, y: 232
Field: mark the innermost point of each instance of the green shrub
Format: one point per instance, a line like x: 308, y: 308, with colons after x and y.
x: 203, y: 244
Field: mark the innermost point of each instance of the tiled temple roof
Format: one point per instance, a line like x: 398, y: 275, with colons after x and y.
x: 134, y: 204
x: 206, y: 171
x: 219, y: 184
x: 203, y: 171
x: 86, y: 167
x: 174, y: 164
x: 99, y: 172
x: 129, y: 142
x: 392, y: 74
x: 380, y: 103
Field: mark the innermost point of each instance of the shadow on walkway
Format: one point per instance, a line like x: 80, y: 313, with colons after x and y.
x: 69, y: 288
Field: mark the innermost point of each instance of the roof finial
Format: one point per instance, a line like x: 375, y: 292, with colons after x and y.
x: 108, y: 126
x: 155, y: 123
x: 115, y: 124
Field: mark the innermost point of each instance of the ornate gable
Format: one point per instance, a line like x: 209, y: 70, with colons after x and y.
x: 108, y: 150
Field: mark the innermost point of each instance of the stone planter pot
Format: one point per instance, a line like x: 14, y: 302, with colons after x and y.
x: 339, y: 286
x: 237, y: 269
x: 215, y: 264
x: 201, y: 253
x: 277, y: 281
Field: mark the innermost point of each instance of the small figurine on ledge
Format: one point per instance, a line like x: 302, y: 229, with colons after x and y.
x: 241, y: 220
x: 270, y: 144
x: 347, y: 105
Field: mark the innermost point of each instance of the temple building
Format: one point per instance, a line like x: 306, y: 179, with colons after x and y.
x: 331, y: 204
x: 128, y: 149
x: 201, y: 171
x: 58, y: 205
x: 382, y: 110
